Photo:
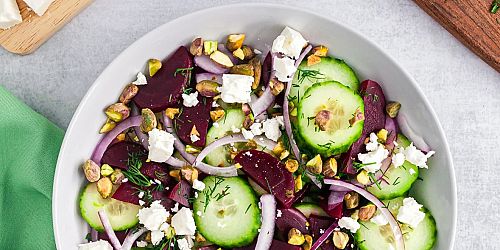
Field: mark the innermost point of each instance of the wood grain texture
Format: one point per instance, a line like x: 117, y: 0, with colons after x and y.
x: 27, y: 36
x: 470, y: 22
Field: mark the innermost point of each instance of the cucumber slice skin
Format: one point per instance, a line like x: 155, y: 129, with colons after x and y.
x: 91, y: 202
x: 423, y: 237
x: 399, y: 180
x: 307, y: 209
x: 321, y: 142
x: 333, y: 69
x: 219, y: 156
x: 236, y: 230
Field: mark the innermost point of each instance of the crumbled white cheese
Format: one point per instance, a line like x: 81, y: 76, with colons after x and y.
x: 235, y: 130
x: 215, y: 124
x: 157, y: 236
x: 279, y: 213
x: 9, y: 14
x: 321, y: 231
x: 183, y: 222
x: 398, y: 159
x: 154, y: 216
x: 372, y: 160
x: 411, y: 171
x: 379, y: 219
x: 96, y: 245
x: 175, y: 209
x: 161, y: 145
x: 289, y: 42
x: 271, y: 128
x: 141, y: 79
x: 198, y: 185
x: 215, y: 104
x: 183, y: 244
x: 349, y: 224
x: 199, y: 213
x: 157, y: 181
x: 141, y: 243
x: 256, y: 128
x: 409, y: 213
x: 124, y: 180
x: 190, y: 100
x: 141, y: 202
x: 417, y: 157
x: 39, y: 6
x: 284, y: 68
x: 194, y: 138
x: 236, y: 88
x: 247, y: 134
x: 141, y: 194
x: 257, y: 52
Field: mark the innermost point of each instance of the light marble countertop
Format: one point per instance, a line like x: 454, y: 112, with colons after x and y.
x: 464, y: 91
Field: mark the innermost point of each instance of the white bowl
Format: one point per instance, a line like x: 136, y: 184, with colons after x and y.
x: 262, y: 23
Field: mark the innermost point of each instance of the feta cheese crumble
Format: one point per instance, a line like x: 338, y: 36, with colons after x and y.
x: 154, y: 216
x: 417, y: 157
x: 411, y: 171
x: 236, y: 88
x: 284, y: 68
x: 183, y: 244
x: 398, y: 159
x: 190, y: 100
x: 194, y: 138
x: 161, y: 145
x: 290, y: 42
x: 247, y: 134
x: 9, y: 14
x: 349, y: 224
x: 372, y: 160
x: 96, y: 245
x: 141, y: 79
x: 141, y: 243
x: 409, y: 213
x: 198, y: 185
x: 256, y: 128
x: 379, y: 219
x: 183, y: 222
x: 271, y: 128
x: 39, y: 6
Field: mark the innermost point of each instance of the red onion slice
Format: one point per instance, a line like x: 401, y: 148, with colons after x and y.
x: 109, y: 229
x: 209, y: 76
x: 94, y: 236
x: 417, y: 140
x: 111, y: 135
x: 266, y: 234
x: 396, y: 230
x: 261, y: 104
x: 128, y: 242
x: 209, y: 65
x: 222, y: 48
x: 324, y: 236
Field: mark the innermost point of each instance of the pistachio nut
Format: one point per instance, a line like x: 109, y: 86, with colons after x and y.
x: 315, y: 165
x: 199, y: 238
x: 117, y: 112
x: 242, y: 69
x: 257, y: 71
x: 246, y: 109
x: 154, y: 65
x: 295, y: 237
x: 363, y: 177
x: 221, y: 59
x: 239, y: 54
x: 392, y: 109
x: 104, y: 187
x: 298, y: 183
x: 382, y: 135
x: 351, y: 200
x: 249, y: 119
x: 106, y: 170
x: 121, y: 137
x: 148, y: 120
x: 330, y: 167
x: 235, y: 41
x: 291, y: 165
x: 128, y: 93
x: 313, y: 60
x: 108, y: 126
x: 320, y: 51
x: 247, y: 52
x: 284, y: 154
x: 322, y: 119
x: 276, y: 86
x: 176, y: 174
x: 340, y: 239
x: 209, y: 47
x: 208, y: 88
x: 117, y: 176
x: 216, y: 114
x: 194, y: 131
x: 308, y: 242
x: 171, y: 112
x: 367, y: 212
x: 196, y: 48
x: 356, y: 117
x: 91, y: 170
x: 279, y: 148
x: 189, y: 173
x: 192, y: 149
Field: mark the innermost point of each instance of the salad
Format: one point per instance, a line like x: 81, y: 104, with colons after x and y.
x: 221, y: 146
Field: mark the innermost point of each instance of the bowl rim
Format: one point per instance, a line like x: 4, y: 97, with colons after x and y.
x: 188, y: 16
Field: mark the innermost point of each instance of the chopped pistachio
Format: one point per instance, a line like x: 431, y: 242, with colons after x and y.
x: 128, y: 93
x: 217, y: 114
x: 104, y: 187
x: 320, y: 51
x: 382, y: 135
x: 239, y: 54
x: 117, y: 176
x: 117, y: 112
x: 189, y: 173
x: 313, y: 60
x: 308, y: 242
x: 235, y: 41
x: 248, y: 52
x: 208, y: 88
x: 106, y: 170
x: 322, y: 119
x: 91, y: 170
x: 295, y: 237
x: 196, y: 48
x: 351, y: 200
x: 192, y: 149
x: 257, y: 71
x: 392, y: 109
x: 278, y: 149
x: 154, y: 65
x: 194, y: 131
x: 367, y: 212
x: 209, y: 47
x: 330, y: 167
x: 108, y: 126
x: 276, y: 86
x: 340, y: 239
x: 171, y: 112
x: 176, y: 174
x: 292, y: 165
x: 120, y: 137
x: 221, y: 59
x: 242, y: 69
x: 363, y: 177
x: 284, y: 154
x: 315, y: 165
x: 298, y: 183
x: 148, y: 120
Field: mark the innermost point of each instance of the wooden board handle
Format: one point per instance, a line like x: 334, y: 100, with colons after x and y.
x: 470, y: 22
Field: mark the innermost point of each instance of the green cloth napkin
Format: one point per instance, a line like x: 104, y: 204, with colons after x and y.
x: 29, y: 145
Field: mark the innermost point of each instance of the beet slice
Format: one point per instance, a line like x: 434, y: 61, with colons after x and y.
x: 180, y: 193
x: 374, y: 100
x: 117, y: 155
x: 198, y: 116
x: 336, y: 211
x: 319, y: 224
x: 165, y: 88
x: 155, y: 170
x: 127, y: 192
x: 266, y: 70
x: 276, y: 245
x: 291, y: 218
x: 121, y: 235
x: 269, y: 173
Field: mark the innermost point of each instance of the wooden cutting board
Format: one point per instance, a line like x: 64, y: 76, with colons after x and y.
x: 471, y: 22
x: 27, y: 36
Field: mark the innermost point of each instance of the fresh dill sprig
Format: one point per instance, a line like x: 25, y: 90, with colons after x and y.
x: 209, y: 191
x: 374, y: 180
x: 359, y: 166
x: 311, y: 75
x: 133, y: 173
x: 184, y: 72
x: 495, y: 5
x: 246, y: 210
x: 327, y: 145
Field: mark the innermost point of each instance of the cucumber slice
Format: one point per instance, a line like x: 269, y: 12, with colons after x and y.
x: 122, y: 215
x: 220, y: 156
x: 371, y: 236
x: 342, y: 102
x: 227, y: 212
x: 310, y: 208
x: 399, y: 180
x: 329, y: 69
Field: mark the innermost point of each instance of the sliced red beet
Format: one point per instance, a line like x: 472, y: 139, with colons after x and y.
x: 319, y: 224
x: 267, y: 171
x: 180, y: 193
x: 117, y: 155
x: 121, y: 235
x: 127, y: 192
x: 291, y: 218
x: 276, y: 245
x: 335, y: 211
x: 165, y: 88
x: 198, y: 116
x: 162, y: 196
x: 266, y: 70
x: 374, y: 100
x: 155, y: 170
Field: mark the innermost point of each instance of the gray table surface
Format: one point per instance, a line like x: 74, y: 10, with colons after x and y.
x: 464, y: 91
